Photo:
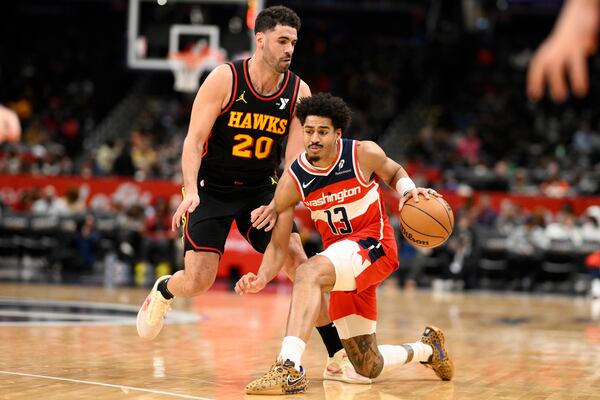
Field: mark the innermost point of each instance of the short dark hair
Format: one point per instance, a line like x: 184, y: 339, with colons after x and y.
x: 268, y: 18
x: 325, y: 105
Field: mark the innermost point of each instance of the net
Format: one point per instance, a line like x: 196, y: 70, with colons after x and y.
x: 188, y: 66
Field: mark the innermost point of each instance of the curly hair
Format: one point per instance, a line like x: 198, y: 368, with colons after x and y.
x: 268, y: 18
x: 325, y: 105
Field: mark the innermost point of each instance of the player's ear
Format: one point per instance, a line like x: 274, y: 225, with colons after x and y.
x: 260, y: 39
x: 338, y: 133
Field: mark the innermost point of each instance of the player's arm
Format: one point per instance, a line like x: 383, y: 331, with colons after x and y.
x: 295, y: 142
x: 286, y: 197
x: 264, y: 216
x: 210, y: 99
x: 373, y: 160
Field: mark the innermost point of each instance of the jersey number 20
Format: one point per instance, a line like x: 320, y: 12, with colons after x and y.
x: 247, y: 146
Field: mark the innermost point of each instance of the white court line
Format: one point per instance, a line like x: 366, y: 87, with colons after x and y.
x: 185, y: 396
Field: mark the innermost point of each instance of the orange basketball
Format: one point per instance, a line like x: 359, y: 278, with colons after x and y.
x: 427, y: 223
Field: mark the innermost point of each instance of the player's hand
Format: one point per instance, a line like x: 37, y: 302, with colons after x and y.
x: 565, y: 52
x: 426, y: 192
x: 188, y: 204
x: 10, y: 127
x: 250, y: 283
x: 264, y: 216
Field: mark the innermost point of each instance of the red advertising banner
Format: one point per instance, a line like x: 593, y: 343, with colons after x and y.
x: 98, y: 191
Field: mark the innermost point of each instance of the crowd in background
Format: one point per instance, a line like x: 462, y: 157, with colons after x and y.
x: 451, y: 99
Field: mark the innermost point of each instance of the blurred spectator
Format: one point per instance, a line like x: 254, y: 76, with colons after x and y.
x: 462, y: 250
x: 142, y: 154
x: 106, y: 156
x: 510, y: 217
x: 86, y: 243
x: 49, y: 204
x: 73, y: 202
x: 123, y: 165
x: 468, y: 146
x: 590, y: 230
x: 565, y: 231
x: 486, y: 215
x: 525, y: 247
x: 158, y: 240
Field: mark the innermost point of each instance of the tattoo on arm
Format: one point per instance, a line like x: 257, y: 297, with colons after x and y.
x: 364, y: 355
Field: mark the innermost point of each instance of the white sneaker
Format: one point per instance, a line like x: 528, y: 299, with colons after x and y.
x: 151, y: 315
x: 339, y: 368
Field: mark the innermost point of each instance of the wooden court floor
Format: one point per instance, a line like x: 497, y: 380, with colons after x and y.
x: 504, y: 347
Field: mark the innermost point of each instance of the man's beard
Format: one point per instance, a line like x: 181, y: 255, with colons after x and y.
x: 313, y: 159
x: 282, y: 70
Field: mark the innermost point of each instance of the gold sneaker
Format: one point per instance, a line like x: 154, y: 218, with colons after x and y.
x: 439, y: 361
x: 283, y: 378
x: 151, y: 315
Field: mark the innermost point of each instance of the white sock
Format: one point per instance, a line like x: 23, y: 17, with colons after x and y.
x: 404, y: 354
x: 292, y: 349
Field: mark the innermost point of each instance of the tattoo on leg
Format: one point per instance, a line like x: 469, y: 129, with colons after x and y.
x: 364, y: 355
x: 410, y: 351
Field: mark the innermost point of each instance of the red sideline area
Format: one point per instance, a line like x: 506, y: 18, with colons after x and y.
x: 238, y: 253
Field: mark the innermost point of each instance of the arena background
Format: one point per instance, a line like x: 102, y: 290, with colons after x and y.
x: 87, y: 194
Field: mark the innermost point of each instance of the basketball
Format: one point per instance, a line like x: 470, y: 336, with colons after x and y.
x: 428, y: 223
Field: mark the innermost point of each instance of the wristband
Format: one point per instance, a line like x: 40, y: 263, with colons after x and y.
x: 405, y: 185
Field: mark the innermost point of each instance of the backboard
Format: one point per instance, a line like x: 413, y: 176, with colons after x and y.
x: 159, y: 28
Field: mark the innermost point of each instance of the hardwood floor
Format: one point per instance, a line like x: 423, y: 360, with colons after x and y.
x: 504, y: 346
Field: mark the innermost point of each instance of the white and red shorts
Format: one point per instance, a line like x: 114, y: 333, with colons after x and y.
x: 360, y: 266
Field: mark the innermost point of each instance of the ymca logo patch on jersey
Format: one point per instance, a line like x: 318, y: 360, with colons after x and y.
x: 282, y: 103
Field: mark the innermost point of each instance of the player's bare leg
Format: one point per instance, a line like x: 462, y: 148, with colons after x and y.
x: 287, y: 376
x: 338, y: 366
x: 197, y: 277
x: 370, y: 360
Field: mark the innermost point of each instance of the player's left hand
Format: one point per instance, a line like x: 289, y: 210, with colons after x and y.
x: 250, y: 283
x: 264, y: 217
x: 426, y: 192
x: 565, y: 53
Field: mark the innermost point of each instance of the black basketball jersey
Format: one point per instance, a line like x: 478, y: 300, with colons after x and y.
x: 246, y: 142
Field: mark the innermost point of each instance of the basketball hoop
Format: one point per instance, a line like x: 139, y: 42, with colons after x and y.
x: 188, y: 66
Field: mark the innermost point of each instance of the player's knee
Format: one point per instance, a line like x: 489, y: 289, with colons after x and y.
x: 306, y: 275
x: 296, y: 251
x: 196, y: 284
x: 197, y: 281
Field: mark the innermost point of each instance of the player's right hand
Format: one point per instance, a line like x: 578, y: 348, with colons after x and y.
x: 188, y: 204
x: 250, y: 283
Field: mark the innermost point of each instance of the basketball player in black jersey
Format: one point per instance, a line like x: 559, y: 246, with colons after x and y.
x: 241, y: 115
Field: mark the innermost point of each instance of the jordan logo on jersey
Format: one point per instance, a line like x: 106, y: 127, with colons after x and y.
x: 242, y: 98
x: 282, y: 103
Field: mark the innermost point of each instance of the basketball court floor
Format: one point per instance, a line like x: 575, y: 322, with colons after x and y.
x: 56, y: 344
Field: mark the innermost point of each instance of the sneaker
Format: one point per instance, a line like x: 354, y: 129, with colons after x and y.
x: 439, y: 361
x: 283, y: 378
x: 151, y: 315
x: 339, y: 368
